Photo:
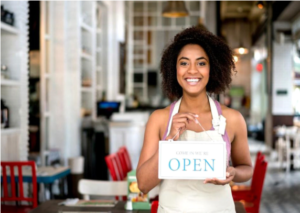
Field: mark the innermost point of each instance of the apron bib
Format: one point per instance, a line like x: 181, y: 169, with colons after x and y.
x: 193, y: 196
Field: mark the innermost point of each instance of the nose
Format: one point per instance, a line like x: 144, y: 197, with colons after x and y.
x: 192, y: 69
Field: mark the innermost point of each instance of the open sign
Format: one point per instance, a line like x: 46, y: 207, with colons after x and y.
x: 192, y: 160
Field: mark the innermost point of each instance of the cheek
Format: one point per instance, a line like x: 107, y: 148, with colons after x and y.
x: 206, y: 71
x: 179, y: 72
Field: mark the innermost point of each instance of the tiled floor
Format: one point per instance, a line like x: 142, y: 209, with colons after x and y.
x: 281, y: 192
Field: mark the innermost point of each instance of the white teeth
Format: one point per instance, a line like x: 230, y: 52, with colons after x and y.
x: 193, y: 80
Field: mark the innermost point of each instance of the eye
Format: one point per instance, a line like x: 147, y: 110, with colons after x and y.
x: 183, y: 63
x: 202, y: 63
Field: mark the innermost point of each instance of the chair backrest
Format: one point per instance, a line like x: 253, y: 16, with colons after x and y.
x: 125, y: 152
x: 257, y: 190
x: 259, y: 158
x: 102, y: 188
x: 13, y: 180
x: 122, y: 160
x: 114, y: 167
x: 154, y: 206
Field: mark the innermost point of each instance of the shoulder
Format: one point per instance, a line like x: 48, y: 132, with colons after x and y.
x: 159, y: 116
x: 232, y: 116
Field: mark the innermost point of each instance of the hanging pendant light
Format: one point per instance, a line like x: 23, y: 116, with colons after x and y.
x: 241, y: 50
x: 175, y: 9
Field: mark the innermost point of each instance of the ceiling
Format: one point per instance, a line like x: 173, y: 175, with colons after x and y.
x: 290, y: 12
x: 241, y: 9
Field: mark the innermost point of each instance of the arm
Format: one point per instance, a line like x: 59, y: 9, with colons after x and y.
x: 240, y: 154
x: 242, y: 167
x: 147, y: 169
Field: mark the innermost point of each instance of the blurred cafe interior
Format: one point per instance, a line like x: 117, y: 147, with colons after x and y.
x: 79, y: 80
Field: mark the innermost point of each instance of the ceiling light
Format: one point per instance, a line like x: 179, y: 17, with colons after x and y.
x: 175, y: 9
x: 241, y: 50
x: 235, y: 58
x: 260, y: 5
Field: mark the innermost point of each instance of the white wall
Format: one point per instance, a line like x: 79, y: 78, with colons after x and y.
x: 116, y: 33
x: 282, y: 78
x: 65, y: 104
x: 65, y: 120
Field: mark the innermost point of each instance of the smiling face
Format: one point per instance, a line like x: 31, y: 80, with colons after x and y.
x: 193, y: 69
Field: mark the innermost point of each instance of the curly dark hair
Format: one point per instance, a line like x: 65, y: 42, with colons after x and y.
x: 218, y: 52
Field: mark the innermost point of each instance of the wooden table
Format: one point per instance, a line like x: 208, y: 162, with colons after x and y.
x: 52, y: 206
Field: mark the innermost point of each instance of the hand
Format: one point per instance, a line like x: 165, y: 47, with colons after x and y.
x: 179, y: 123
x: 230, y: 173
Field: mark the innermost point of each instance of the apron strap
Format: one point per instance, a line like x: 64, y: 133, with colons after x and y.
x: 218, y: 121
x: 175, y: 111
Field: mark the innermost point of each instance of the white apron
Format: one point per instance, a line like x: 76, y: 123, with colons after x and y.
x: 193, y: 196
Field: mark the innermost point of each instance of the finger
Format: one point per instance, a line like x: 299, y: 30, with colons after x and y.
x: 223, y: 182
x: 217, y: 181
x: 230, y: 171
x: 190, y: 116
x: 186, y: 113
x: 181, y: 120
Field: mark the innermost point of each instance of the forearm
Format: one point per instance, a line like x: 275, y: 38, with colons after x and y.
x: 147, y: 174
x: 242, y: 173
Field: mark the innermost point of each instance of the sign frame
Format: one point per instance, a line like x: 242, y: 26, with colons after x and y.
x: 222, y: 145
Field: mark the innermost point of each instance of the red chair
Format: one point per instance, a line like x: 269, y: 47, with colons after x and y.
x: 154, y: 206
x: 122, y: 160
x: 115, y: 169
x: 14, y: 182
x: 251, y: 200
x: 239, y: 192
x: 126, y: 155
x: 114, y: 166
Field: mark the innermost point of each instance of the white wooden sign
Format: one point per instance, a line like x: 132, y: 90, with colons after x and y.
x: 192, y: 160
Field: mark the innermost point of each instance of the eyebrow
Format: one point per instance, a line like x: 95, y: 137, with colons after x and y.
x: 196, y: 59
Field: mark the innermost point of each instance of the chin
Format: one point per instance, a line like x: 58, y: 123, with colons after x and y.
x: 194, y: 93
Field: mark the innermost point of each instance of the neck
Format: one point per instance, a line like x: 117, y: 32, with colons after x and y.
x: 195, y: 104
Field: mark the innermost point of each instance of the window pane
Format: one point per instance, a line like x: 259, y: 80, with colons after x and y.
x: 138, y: 35
x: 138, y: 6
x: 138, y: 21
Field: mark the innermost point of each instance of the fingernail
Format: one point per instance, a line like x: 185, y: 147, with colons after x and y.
x: 227, y: 174
x: 196, y: 121
x: 196, y: 115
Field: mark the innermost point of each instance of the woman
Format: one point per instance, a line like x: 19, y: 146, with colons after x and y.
x: 194, y: 64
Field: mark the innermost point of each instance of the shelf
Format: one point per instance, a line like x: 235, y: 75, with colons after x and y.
x: 98, y: 69
x: 5, y: 28
x: 7, y: 82
x: 139, y: 85
x: 86, y: 27
x: 139, y: 71
x: 47, y: 75
x: 47, y: 37
x: 86, y: 89
x: 135, y: 56
x: 46, y: 114
x: 10, y: 131
x: 86, y: 56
